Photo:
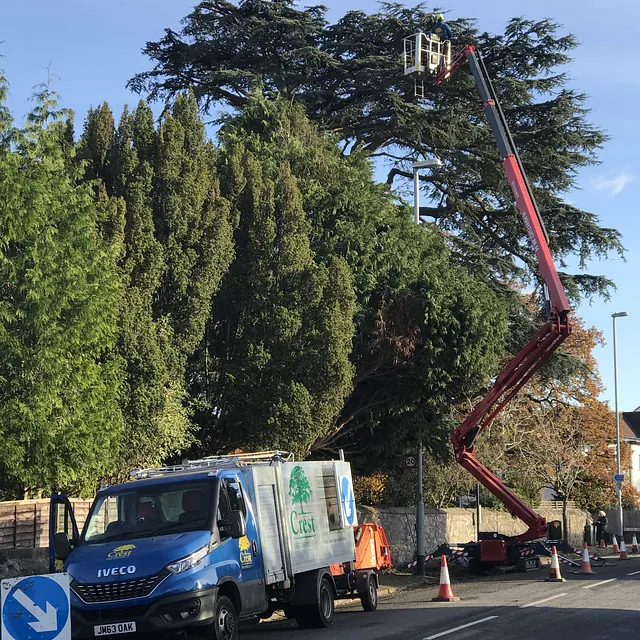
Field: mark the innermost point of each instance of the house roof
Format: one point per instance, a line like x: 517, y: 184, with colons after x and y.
x: 630, y: 425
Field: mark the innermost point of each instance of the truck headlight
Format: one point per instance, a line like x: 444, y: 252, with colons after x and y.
x: 192, y: 560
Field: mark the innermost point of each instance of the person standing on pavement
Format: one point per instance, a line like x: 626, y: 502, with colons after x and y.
x: 601, y: 527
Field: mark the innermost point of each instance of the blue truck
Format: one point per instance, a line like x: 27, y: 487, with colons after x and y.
x: 201, y: 545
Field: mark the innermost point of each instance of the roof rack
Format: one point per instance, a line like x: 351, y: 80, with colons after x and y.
x: 216, y: 462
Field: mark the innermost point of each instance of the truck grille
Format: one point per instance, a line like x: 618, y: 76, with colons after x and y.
x: 115, y: 591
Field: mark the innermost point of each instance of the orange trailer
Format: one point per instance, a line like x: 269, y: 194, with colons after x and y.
x: 360, y: 578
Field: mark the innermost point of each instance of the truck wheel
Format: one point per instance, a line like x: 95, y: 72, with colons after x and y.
x: 226, y: 620
x: 319, y: 615
x: 369, y: 598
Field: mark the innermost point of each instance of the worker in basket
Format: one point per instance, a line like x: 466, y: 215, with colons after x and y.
x: 442, y: 32
x: 442, y: 29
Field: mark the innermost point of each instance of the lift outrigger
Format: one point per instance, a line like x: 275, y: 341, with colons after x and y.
x: 427, y: 54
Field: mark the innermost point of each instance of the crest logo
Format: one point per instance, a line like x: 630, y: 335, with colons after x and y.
x: 246, y: 560
x: 122, y: 552
x: 300, y: 492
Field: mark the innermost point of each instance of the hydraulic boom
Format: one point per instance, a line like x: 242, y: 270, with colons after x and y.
x: 553, y: 333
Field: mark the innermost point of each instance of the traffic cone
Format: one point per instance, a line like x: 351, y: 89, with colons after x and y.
x: 554, y: 570
x: 634, y: 544
x: 445, y: 594
x: 623, y: 550
x: 586, y: 561
x: 602, y: 545
x: 616, y: 548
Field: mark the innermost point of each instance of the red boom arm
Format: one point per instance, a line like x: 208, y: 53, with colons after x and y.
x: 555, y: 331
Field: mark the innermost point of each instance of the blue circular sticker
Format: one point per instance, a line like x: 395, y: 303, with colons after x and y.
x: 348, y: 502
x: 36, y: 608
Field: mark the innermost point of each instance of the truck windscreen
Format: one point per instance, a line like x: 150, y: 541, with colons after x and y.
x: 149, y: 511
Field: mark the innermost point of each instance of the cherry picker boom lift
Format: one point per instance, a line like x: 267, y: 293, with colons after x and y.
x: 426, y: 53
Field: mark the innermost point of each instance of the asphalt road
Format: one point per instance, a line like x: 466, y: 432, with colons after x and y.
x: 513, y: 606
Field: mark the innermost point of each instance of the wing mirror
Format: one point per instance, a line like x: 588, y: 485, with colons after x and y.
x: 234, y: 526
x: 61, y: 546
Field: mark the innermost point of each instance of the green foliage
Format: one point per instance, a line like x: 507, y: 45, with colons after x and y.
x: 278, y: 34
x: 275, y: 364
x: 348, y: 77
x: 370, y: 490
x: 427, y: 334
x: 60, y: 422
x: 178, y: 245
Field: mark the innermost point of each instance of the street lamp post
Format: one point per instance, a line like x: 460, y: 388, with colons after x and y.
x: 421, y: 164
x: 420, y: 556
x: 615, y: 316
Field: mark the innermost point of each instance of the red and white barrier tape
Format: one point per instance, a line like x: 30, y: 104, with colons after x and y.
x: 415, y: 562
x: 454, y: 555
x: 592, y: 556
x: 571, y: 563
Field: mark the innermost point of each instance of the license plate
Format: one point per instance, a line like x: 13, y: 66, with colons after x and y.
x: 113, y: 629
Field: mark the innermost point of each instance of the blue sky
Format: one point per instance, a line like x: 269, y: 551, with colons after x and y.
x: 94, y: 48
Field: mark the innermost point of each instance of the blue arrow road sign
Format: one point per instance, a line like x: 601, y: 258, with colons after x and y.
x: 348, y: 502
x: 36, y: 608
x: 618, y: 477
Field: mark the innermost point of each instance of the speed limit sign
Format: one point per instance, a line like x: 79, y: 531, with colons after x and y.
x: 410, y: 461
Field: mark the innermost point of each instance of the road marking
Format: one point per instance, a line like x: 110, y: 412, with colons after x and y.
x: 597, y: 584
x: 533, y: 604
x: 462, y: 626
x: 635, y: 573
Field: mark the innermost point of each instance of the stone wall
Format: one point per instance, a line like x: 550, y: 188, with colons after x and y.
x: 16, y: 563
x: 631, y: 521
x: 454, y: 526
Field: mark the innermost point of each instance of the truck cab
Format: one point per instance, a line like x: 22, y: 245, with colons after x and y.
x: 162, y: 553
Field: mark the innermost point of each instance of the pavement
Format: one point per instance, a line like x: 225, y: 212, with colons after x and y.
x: 510, y: 606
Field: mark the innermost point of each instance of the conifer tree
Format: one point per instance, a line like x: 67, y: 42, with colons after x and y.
x: 281, y: 326
x: 324, y: 255
x: 178, y: 245
x: 60, y: 421
x: 348, y: 75
x: 426, y: 333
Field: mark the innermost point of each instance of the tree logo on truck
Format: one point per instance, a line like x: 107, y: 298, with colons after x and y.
x: 303, y: 524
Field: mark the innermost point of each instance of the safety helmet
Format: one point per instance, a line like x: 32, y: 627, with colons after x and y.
x: 440, y: 17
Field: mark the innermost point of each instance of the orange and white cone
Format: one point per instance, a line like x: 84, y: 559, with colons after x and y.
x: 445, y: 594
x: 554, y: 570
x: 586, y: 561
x: 602, y: 545
x: 623, y: 550
x: 634, y: 544
x: 616, y: 548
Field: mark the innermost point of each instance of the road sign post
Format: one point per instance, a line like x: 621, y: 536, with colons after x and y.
x: 420, y: 557
x: 36, y: 608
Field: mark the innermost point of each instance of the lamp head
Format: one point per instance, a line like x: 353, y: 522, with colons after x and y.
x: 429, y: 162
